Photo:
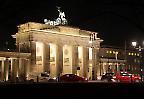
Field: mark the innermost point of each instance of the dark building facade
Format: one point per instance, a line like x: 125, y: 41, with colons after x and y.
x: 114, y: 59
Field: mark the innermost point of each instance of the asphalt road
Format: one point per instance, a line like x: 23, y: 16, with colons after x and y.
x: 72, y: 90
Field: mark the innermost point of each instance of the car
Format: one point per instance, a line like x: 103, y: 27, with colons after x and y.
x: 72, y: 78
x: 54, y: 79
x: 107, y: 77
x: 44, y: 77
x: 136, y: 78
x: 44, y: 74
x: 126, y: 77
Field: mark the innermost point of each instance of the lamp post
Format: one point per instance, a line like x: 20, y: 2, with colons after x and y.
x: 139, y: 48
x: 116, y: 57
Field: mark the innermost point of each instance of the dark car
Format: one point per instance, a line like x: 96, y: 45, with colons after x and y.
x: 44, y: 74
x: 72, y: 78
x: 107, y: 77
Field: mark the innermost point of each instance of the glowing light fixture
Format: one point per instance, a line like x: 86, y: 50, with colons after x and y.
x: 134, y: 44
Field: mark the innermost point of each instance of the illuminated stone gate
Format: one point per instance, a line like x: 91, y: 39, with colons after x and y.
x: 59, y: 49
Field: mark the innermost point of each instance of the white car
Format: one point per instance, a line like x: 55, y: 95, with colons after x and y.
x: 44, y: 77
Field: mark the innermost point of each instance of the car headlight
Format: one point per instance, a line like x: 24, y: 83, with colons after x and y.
x: 54, y: 78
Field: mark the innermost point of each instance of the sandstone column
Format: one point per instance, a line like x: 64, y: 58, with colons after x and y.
x: 2, y: 70
x: 94, y: 73
x: 14, y: 63
x: 85, y: 61
x: 6, y: 69
x: 26, y: 67
x: 33, y: 53
x: 46, y: 58
x: 20, y: 66
x: 59, y: 59
x: 74, y: 59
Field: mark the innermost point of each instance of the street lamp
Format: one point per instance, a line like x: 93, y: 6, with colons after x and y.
x: 116, y: 57
x: 139, y: 48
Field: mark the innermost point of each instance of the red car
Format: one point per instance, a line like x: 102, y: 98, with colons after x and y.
x: 72, y: 78
x: 126, y: 77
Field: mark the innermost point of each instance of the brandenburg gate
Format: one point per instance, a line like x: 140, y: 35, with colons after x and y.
x: 59, y: 49
x: 52, y: 47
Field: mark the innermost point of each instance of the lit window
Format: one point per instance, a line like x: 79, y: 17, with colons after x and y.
x: 135, y: 60
x: 137, y: 54
x: 138, y: 61
x: 129, y: 53
x: 110, y: 51
x: 107, y: 51
x: 132, y: 54
x: 114, y: 52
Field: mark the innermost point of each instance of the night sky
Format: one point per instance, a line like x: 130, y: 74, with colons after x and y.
x: 116, y: 21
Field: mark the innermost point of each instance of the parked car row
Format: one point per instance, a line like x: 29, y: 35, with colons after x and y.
x: 107, y: 77
x: 120, y: 77
x: 63, y: 78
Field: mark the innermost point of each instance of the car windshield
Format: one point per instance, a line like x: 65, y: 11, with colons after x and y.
x: 109, y: 74
x: 45, y: 74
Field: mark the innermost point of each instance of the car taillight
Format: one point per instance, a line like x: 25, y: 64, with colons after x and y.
x: 86, y: 79
x: 139, y: 77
